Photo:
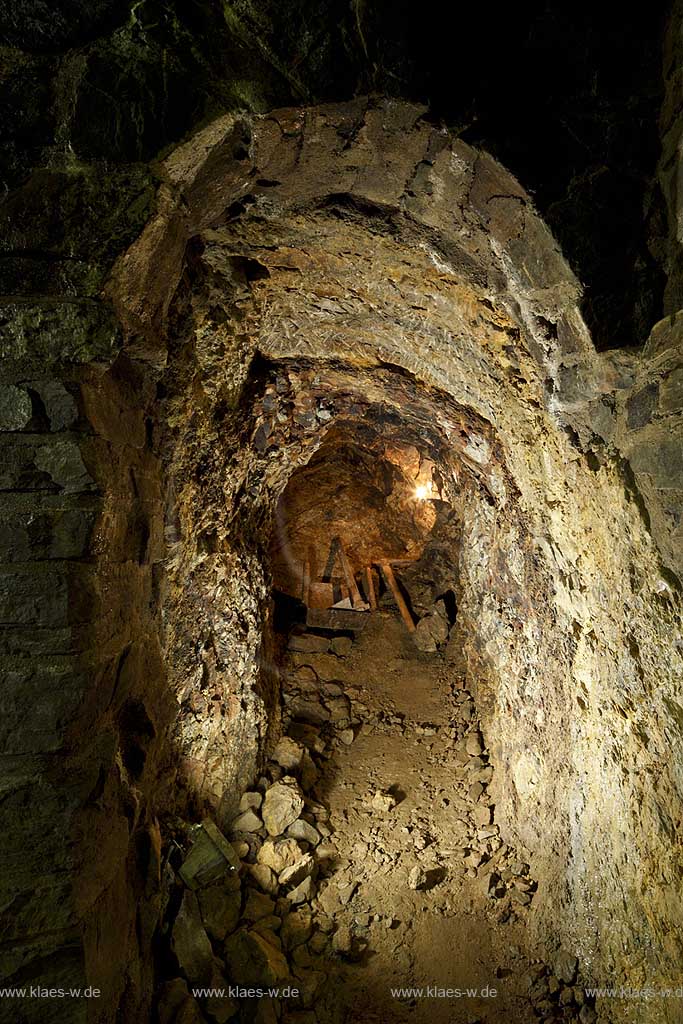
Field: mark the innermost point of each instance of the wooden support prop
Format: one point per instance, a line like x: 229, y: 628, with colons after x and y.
x: 306, y: 583
x: 398, y: 596
x: 370, y: 587
x: 354, y: 592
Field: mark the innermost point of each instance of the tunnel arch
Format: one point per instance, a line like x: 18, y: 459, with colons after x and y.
x: 369, y: 260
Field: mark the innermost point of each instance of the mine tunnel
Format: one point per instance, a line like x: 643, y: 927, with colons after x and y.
x: 389, y: 556
x: 343, y: 476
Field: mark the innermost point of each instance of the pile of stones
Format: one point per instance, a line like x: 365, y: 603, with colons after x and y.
x: 556, y: 994
x: 274, y: 913
x: 255, y: 926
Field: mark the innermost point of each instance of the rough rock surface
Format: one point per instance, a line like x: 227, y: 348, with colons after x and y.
x: 406, y: 895
x: 304, y: 272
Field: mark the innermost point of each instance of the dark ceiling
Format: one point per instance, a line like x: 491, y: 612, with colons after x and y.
x: 567, y: 95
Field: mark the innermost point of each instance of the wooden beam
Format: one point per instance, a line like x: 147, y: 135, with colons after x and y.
x: 354, y: 592
x: 370, y: 587
x: 398, y: 596
x: 306, y: 583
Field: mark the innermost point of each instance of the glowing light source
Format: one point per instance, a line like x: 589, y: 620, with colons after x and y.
x: 422, y: 492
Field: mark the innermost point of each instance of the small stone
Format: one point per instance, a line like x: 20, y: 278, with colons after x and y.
x: 474, y: 744
x: 475, y: 791
x: 288, y: 754
x: 309, y: 711
x: 301, y: 957
x: 566, y: 996
x: 59, y: 404
x: 417, y: 878
x: 339, y: 709
x: 297, y: 928
x: 172, y: 997
x: 264, y: 877
x: 220, y: 1008
x: 318, y: 943
x: 220, y: 907
x: 346, y: 891
x: 342, y: 940
x: 347, y: 736
x: 271, y: 922
x: 241, y: 848
x: 190, y: 943
x: 565, y: 966
x: 280, y: 854
x: 258, y: 905
x: 326, y: 852
x: 303, y: 893
x: 304, y: 831
x: 308, y: 643
x: 522, y: 898
x: 341, y: 646
x: 482, y: 814
x: 587, y: 1015
x: 247, y: 821
x: 253, y: 960
x: 251, y: 801
x: 383, y: 801
x: 282, y: 806
x: 308, y: 735
x: 432, y: 630
x: 297, y: 872
x: 308, y: 772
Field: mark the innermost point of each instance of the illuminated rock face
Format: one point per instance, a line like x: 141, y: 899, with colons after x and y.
x: 349, y: 275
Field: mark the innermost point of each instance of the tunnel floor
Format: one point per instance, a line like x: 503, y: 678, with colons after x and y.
x: 399, y: 894
x: 372, y: 874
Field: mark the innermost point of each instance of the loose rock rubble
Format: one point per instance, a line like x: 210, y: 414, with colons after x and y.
x: 365, y: 844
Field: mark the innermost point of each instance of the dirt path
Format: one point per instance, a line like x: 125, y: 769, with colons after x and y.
x: 444, y: 935
x: 371, y: 875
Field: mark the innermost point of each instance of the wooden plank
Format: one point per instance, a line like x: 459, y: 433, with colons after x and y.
x: 331, y: 559
x: 354, y: 592
x: 320, y: 595
x: 344, y: 619
x: 398, y: 596
x: 370, y: 587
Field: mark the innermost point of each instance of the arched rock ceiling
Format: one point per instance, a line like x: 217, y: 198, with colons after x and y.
x: 385, y: 239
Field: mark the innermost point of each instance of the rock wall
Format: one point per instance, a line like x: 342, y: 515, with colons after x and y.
x: 358, y: 257
x: 363, y: 245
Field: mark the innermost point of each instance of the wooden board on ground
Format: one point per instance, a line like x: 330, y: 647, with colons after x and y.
x: 337, y: 618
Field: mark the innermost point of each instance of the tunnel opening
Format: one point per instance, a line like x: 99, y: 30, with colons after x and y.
x: 357, y: 505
